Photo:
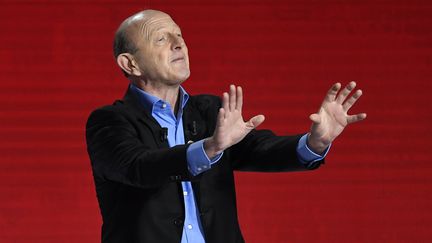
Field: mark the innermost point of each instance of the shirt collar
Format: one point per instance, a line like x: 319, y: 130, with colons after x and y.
x: 149, y: 101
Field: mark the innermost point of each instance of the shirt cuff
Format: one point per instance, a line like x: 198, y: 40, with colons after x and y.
x: 306, y: 155
x: 197, y: 159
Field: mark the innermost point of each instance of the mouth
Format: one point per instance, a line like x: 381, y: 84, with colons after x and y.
x: 178, y: 59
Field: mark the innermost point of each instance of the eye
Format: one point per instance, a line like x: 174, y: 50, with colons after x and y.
x: 161, y: 38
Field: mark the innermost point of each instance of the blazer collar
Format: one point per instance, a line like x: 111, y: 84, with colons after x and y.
x: 132, y: 103
x: 131, y: 100
x: 195, y: 128
x: 149, y: 101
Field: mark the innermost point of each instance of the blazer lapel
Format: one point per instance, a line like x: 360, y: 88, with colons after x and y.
x: 195, y: 128
x: 131, y: 101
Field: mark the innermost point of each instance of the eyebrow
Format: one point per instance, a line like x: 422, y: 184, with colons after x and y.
x: 148, y: 32
x: 165, y: 27
x: 158, y: 29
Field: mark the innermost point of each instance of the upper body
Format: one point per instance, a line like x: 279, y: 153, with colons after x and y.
x: 139, y: 176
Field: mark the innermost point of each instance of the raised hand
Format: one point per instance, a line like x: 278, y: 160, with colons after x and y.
x: 230, y: 126
x: 332, y: 117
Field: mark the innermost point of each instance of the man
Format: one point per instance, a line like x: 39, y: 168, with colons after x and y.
x: 163, y: 161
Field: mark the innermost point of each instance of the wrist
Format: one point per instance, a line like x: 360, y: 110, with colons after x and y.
x: 210, y: 147
x: 316, y: 145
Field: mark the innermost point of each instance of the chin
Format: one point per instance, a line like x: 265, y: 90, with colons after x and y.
x: 177, y: 80
x: 181, y: 77
x: 176, y: 77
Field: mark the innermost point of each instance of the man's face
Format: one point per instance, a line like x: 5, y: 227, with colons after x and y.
x: 162, y: 54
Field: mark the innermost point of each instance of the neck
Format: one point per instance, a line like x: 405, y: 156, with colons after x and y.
x: 167, y: 93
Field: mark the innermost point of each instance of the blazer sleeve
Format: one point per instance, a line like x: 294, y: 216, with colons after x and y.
x: 262, y: 150
x: 117, y: 154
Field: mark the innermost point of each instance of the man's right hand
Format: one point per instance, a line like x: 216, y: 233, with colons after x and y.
x: 230, y: 126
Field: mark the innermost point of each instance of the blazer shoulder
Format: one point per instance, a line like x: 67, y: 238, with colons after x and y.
x: 116, y: 106
x: 117, y: 109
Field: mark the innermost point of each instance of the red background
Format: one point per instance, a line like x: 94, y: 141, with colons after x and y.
x: 56, y: 65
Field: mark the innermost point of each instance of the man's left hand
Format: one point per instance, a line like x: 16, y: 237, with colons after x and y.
x: 332, y: 117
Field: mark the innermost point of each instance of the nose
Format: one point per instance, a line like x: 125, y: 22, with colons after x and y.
x: 177, y: 43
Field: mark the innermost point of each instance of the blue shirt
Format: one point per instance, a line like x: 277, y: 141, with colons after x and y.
x: 197, y: 159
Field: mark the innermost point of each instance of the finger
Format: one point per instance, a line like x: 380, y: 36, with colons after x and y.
x: 345, y: 92
x: 350, y: 102
x: 225, y: 101
x: 221, y: 117
x: 239, y: 103
x: 356, y: 118
x: 315, y: 118
x: 331, y: 94
x: 255, y: 121
x: 232, y: 97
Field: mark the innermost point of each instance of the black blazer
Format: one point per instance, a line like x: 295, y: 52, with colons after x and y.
x: 137, y: 175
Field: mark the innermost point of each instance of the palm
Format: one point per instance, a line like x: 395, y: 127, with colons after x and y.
x: 230, y: 127
x: 333, y: 121
x: 333, y: 116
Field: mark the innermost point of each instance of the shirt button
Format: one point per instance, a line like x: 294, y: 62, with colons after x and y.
x: 185, y: 193
x: 199, y: 169
x: 190, y: 226
x: 163, y: 105
x: 205, y: 166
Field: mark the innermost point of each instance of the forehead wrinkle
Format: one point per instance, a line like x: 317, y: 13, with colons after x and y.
x: 149, y: 26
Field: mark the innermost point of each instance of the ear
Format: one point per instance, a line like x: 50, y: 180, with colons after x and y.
x: 128, y: 64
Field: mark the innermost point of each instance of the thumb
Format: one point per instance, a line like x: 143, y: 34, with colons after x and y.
x: 315, y: 118
x: 255, y: 121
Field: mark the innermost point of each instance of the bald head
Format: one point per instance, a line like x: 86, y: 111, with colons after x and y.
x: 126, y: 34
x: 149, y: 47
